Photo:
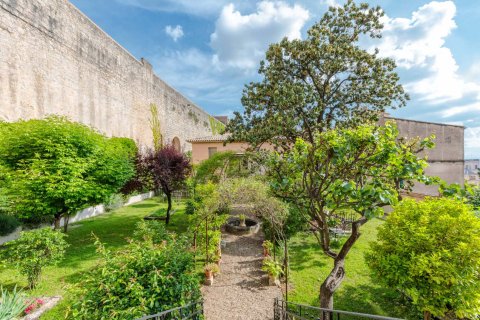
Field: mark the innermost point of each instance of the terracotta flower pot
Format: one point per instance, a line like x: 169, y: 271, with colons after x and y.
x: 208, y: 277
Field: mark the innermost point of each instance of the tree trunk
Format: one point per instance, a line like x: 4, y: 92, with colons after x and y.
x: 56, y: 223
x: 335, y: 278
x: 65, y: 222
x: 331, y: 283
x: 426, y: 315
x: 169, y: 200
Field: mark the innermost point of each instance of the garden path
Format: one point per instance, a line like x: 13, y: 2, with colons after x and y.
x: 241, y: 290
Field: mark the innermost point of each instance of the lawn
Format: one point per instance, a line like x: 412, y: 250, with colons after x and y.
x: 112, y: 229
x: 358, y: 292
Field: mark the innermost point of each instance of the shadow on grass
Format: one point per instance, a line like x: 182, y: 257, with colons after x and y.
x: 374, y: 300
x: 304, y: 253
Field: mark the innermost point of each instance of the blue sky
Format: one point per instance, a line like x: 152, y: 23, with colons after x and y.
x: 209, y: 49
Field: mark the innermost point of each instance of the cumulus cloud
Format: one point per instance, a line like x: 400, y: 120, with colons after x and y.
x: 418, y: 42
x: 241, y: 40
x: 174, y: 32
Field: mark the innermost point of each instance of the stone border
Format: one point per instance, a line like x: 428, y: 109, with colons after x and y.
x: 50, y: 302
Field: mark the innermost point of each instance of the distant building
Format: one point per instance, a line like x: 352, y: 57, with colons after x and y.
x: 471, y: 170
x: 446, y: 160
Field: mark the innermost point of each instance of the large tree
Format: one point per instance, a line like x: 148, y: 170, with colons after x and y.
x: 56, y: 167
x: 167, y: 168
x: 345, y: 169
x: 324, y: 81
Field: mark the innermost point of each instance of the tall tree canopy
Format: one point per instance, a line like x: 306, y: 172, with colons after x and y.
x: 324, y: 81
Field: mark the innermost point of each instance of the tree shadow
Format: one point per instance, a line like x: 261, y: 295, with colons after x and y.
x: 375, y: 300
x: 304, y: 254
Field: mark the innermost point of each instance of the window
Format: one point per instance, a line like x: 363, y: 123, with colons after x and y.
x: 211, y: 151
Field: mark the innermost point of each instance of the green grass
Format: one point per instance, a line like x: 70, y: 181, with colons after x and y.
x: 112, y: 229
x: 358, y: 292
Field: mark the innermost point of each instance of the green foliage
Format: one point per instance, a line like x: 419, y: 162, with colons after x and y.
x: 8, y: 224
x: 430, y: 250
x: 220, y: 166
x: 323, y: 81
x: 115, y: 201
x: 151, y: 231
x: 354, y: 169
x: 35, y: 250
x: 155, y: 127
x: 272, y: 267
x: 268, y: 245
x: 12, y: 304
x: 57, y: 167
x: 216, y: 126
x: 146, y: 277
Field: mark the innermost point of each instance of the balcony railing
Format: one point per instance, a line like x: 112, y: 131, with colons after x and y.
x: 284, y: 310
x: 192, y: 311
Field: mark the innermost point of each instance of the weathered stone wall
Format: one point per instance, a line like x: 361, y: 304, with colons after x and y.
x: 54, y: 60
x: 446, y: 159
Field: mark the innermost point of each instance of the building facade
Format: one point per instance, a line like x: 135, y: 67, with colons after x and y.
x: 54, y: 60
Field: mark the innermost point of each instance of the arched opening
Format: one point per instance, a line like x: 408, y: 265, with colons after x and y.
x: 176, y: 144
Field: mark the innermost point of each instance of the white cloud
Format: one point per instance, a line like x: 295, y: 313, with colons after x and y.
x: 241, y: 40
x: 174, y: 32
x: 418, y: 43
x: 462, y: 110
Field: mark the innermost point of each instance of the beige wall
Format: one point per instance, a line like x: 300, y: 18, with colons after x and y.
x: 200, y: 149
x: 446, y: 159
x: 54, y: 60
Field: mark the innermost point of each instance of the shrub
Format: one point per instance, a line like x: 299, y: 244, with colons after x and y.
x: 142, y: 279
x: 57, y: 167
x: 35, y: 250
x: 8, y: 224
x: 430, y: 250
x: 115, y: 201
x: 12, y: 304
x: 272, y: 267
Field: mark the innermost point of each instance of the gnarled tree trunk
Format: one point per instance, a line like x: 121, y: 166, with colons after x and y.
x: 335, y: 278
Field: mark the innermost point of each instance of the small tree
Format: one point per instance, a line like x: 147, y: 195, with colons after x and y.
x: 345, y: 169
x: 168, y: 169
x: 57, y: 167
x: 35, y: 250
x: 430, y: 250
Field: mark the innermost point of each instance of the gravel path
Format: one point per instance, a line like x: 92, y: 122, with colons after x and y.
x: 241, y: 291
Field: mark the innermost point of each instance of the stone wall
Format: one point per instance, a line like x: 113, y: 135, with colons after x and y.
x: 54, y: 60
x: 446, y: 159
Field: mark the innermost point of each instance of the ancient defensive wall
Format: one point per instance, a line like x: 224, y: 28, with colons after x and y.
x: 55, y: 60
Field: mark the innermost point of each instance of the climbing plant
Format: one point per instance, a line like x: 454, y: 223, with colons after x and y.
x: 216, y: 126
x: 155, y: 127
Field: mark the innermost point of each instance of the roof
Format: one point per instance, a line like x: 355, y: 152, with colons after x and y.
x: 214, y: 138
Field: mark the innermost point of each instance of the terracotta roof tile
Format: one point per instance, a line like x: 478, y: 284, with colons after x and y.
x: 214, y: 138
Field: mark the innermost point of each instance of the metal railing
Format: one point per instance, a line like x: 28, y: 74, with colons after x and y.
x: 284, y: 310
x: 193, y: 311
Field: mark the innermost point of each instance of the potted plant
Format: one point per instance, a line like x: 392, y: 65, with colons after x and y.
x: 209, y: 271
x: 273, y: 269
x: 242, y: 218
x: 267, y: 248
